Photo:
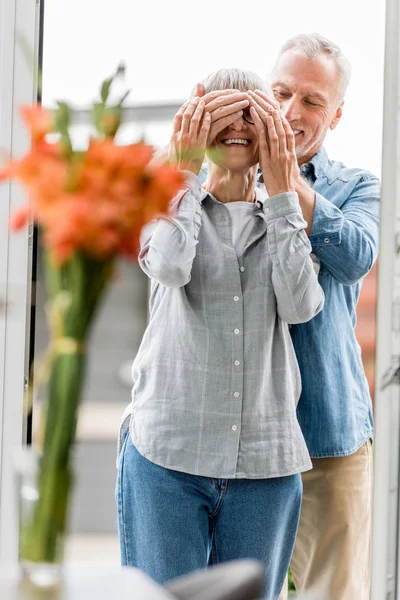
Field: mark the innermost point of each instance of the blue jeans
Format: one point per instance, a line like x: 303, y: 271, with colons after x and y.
x: 171, y: 523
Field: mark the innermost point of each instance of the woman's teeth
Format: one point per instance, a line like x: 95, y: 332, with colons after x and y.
x: 236, y: 141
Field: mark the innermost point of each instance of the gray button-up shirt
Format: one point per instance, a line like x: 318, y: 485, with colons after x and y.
x: 216, y: 380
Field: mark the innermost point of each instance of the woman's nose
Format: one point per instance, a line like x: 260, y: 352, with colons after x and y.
x: 238, y: 125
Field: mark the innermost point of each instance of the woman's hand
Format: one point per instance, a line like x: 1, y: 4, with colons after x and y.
x: 277, y: 155
x: 224, y: 106
x: 189, y: 137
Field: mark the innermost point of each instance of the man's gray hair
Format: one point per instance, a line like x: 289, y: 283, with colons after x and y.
x: 236, y: 79
x: 313, y: 45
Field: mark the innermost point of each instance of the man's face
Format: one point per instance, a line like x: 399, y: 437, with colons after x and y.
x: 308, y: 92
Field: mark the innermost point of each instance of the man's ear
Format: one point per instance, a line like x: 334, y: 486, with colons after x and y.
x: 337, y: 117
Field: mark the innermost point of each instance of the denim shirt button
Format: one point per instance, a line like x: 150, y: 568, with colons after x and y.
x: 326, y: 240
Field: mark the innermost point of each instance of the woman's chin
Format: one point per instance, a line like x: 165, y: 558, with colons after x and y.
x: 237, y: 164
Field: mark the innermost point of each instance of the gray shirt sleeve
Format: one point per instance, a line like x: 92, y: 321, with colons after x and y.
x: 298, y: 294
x: 168, y: 245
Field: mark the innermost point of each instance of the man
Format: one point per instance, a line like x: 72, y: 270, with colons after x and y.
x: 341, y: 207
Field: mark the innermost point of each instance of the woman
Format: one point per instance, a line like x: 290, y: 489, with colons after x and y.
x: 211, y: 469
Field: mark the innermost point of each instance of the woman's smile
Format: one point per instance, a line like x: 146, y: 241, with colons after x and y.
x: 236, y: 142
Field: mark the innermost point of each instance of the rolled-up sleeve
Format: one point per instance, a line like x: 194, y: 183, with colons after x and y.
x: 346, y: 239
x: 168, y: 245
x: 298, y: 294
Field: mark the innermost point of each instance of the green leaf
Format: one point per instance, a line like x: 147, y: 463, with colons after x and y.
x: 66, y: 143
x: 63, y: 113
x: 62, y: 120
x: 105, y: 89
x: 111, y: 121
x: 120, y: 70
x: 98, y: 112
x: 124, y: 97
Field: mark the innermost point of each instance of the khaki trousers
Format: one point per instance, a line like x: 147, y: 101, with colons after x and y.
x: 331, y: 558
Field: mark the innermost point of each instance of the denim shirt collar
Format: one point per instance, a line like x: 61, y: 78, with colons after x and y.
x: 316, y: 166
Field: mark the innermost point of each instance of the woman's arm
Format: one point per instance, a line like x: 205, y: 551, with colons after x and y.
x: 298, y: 294
x: 168, y: 245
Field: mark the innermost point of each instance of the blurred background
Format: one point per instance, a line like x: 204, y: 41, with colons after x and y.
x: 167, y: 47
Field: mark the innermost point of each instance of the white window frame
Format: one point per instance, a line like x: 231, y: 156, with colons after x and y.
x: 18, y: 20
x: 385, y: 546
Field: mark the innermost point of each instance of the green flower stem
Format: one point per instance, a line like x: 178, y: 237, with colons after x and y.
x: 83, y: 281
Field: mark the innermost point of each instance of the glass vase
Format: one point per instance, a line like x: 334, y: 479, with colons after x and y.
x: 43, y: 491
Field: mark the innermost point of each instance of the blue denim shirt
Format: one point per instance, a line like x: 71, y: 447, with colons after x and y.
x: 335, y: 409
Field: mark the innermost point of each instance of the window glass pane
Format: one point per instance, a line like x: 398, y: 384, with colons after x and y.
x: 167, y: 47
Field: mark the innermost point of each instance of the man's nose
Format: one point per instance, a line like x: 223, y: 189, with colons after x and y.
x: 291, y: 109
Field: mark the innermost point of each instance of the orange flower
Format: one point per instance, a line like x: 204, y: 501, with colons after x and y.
x: 19, y: 218
x: 95, y: 201
x: 38, y: 120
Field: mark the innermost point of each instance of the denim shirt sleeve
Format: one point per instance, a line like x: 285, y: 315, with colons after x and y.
x: 168, y: 245
x: 346, y: 239
x: 299, y: 296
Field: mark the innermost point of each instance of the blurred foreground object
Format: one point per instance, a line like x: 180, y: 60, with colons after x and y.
x: 236, y: 580
x: 90, y: 207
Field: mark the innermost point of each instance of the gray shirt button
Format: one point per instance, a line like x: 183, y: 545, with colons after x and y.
x: 236, y: 394
x: 241, y: 269
x: 237, y: 363
x: 236, y: 298
x: 237, y: 331
x: 234, y: 427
